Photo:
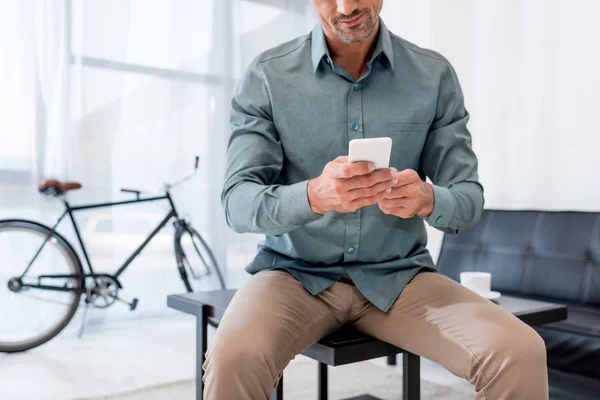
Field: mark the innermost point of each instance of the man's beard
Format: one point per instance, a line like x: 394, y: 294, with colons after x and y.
x: 356, y: 33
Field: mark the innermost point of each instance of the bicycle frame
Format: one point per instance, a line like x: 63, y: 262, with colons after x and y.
x: 71, y: 210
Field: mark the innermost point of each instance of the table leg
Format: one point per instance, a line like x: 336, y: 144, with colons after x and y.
x: 411, y: 376
x: 201, y: 347
x: 323, y: 384
x: 277, y: 393
x: 391, y: 360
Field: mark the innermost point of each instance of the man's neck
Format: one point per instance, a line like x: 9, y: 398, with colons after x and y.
x: 353, y: 57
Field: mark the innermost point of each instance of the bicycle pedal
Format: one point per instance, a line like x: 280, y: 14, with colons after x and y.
x: 131, y: 305
x: 199, y: 276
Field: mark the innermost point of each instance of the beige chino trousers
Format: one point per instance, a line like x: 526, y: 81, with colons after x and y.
x: 273, y: 317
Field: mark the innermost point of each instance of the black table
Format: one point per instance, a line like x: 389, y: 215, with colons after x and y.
x: 347, y: 345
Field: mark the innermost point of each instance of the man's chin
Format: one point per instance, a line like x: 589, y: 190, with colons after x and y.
x: 353, y: 36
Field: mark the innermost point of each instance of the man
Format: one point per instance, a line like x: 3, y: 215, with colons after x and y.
x: 346, y: 244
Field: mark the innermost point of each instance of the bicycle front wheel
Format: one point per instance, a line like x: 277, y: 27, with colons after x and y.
x: 40, y: 284
x: 197, y: 264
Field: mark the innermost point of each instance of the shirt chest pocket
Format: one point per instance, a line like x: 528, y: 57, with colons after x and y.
x: 408, y: 141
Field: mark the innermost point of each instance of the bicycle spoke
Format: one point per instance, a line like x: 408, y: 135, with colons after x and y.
x: 30, y: 316
x: 37, y: 254
x: 197, y: 259
x: 189, y: 266
x: 198, y: 251
x: 45, y: 300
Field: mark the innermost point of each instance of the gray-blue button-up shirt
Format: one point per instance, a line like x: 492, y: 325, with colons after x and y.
x: 296, y: 109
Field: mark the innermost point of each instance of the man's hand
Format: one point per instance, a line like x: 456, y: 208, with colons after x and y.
x: 409, y: 197
x: 345, y: 187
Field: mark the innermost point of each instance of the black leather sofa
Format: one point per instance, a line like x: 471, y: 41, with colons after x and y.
x: 553, y: 256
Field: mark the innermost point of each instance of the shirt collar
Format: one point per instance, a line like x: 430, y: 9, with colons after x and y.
x: 320, y: 49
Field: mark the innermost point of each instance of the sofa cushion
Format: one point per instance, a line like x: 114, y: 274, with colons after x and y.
x: 569, y: 386
x: 574, y: 344
x: 533, y: 253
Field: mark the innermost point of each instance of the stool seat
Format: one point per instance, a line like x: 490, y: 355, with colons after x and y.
x: 348, y: 345
x: 345, y: 346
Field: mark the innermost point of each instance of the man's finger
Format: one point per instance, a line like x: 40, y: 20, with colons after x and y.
x: 406, y: 177
x: 396, y: 202
x: 401, y: 212
x: 367, y: 201
x: 341, y: 159
x: 406, y: 191
x: 348, y: 170
x: 372, y: 178
x: 369, y: 191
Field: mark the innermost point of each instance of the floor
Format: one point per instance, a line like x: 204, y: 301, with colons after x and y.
x: 375, y: 379
x: 156, y: 356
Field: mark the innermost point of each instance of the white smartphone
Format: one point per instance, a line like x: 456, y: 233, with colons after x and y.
x: 376, y: 150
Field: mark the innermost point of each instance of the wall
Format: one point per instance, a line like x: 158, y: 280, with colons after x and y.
x: 529, y: 71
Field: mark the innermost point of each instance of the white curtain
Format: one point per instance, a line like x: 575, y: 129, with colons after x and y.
x: 50, y: 44
x: 529, y: 70
x: 17, y: 94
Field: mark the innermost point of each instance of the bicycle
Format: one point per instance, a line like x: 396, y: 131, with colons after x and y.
x: 53, y: 268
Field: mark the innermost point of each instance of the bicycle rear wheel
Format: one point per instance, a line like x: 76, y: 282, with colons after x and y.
x: 197, y: 264
x: 31, y: 316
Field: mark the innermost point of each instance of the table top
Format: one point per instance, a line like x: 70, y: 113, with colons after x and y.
x: 532, y: 312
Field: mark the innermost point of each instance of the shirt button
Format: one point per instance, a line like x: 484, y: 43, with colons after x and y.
x: 351, y: 250
x: 354, y: 127
x: 438, y: 219
x: 356, y: 87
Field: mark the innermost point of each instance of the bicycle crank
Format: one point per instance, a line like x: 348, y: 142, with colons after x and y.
x: 102, y: 294
x: 106, y: 292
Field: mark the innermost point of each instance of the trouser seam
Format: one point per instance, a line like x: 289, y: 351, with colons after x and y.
x: 296, y: 337
x: 276, y: 377
x: 456, y: 339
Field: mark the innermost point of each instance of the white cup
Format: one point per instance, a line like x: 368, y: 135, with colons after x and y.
x: 479, y: 282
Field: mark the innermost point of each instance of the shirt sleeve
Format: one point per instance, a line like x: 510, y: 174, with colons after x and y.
x: 252, y: 200
x: 449, y: 161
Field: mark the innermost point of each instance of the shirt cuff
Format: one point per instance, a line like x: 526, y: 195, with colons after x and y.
x: 295, y: 206
x: 443, y: 208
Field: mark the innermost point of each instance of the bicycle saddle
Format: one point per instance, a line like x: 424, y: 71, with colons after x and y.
x: 55, y: 188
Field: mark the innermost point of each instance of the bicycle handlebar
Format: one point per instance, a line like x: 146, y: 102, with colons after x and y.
x: 170, y: 185
x: 130, y: 191
x: 167, y: 186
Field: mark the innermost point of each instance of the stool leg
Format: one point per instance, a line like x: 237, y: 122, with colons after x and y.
x: 391, y: 360
x: 411, y: 376
x: 323, y: 381
x: 201, y: 347
x: 277, y: 393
